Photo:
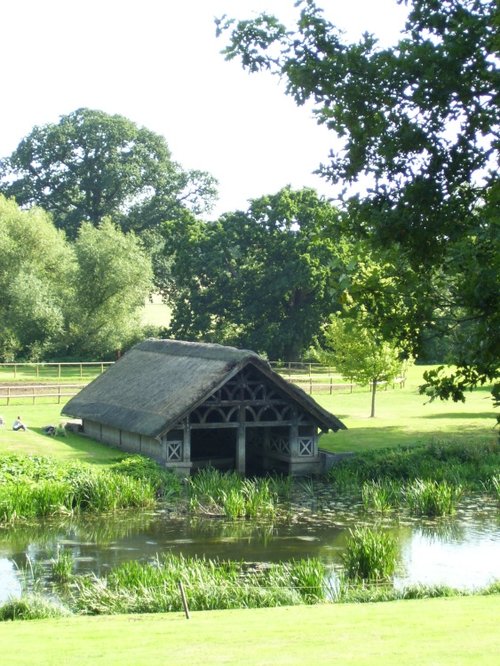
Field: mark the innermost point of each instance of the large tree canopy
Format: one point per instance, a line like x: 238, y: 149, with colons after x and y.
x: 35, y: 276
x: 59, y: 298
x: 261, y: 278
x: 418, y: 130
x: 91, y: 165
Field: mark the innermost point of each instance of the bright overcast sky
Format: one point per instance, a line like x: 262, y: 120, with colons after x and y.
x: 158, y: 63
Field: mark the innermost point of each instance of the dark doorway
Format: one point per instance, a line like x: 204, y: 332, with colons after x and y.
x: 213, y: 447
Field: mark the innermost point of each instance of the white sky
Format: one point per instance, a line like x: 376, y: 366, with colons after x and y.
x: 158, y: 63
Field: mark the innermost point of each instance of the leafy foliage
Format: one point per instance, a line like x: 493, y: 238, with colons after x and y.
x: 35, y: 272
x: 261, y: 279
x: 418, y: 123
x: 93, y: 165
x: 57, y: 297
x: 361, y: 354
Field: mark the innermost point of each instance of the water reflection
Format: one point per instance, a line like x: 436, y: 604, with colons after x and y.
x: 463, y: 551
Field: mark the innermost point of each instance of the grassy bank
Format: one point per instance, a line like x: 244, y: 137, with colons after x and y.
x: 458, y: 631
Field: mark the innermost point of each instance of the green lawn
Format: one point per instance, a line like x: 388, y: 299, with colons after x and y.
x: 403, y: 417
x: 34, y: 442
x: 455, y: 631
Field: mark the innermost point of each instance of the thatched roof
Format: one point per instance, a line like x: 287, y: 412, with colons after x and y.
x: 158, y: 382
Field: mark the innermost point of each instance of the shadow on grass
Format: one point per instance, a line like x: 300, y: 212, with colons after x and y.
x: 460, y: 415
x: 80, y: 448
x: 365, y: 439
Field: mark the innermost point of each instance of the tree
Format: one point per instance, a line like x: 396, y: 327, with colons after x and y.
x: 260, y: 278
x: 110, y: 283
x: 93, y: 165
x: 419, y: 123
x: 361, y: 354
x: 35, y: 268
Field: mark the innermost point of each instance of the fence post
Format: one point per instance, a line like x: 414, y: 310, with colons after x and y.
x: 59, y: 370
x: 184, y: 600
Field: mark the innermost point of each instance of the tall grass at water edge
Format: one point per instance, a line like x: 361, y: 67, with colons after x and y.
x: 369, y: 555
x: 421, y: 497
x: 212, y: 492
x: 209, y: 584
x: 430, y: 498
x: 35, y: 487
x: 468, y: 465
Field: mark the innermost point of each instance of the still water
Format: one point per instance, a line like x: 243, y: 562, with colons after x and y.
x: 462, y: 551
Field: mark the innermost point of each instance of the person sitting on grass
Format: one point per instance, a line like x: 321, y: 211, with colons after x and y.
x: 18, y: 424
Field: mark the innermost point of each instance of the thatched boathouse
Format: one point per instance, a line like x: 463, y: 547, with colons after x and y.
x: 189, y: 405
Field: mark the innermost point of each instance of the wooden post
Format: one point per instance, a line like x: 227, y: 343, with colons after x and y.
x: 186, y: 442
x: 184, y: 600
x: 240, y: 449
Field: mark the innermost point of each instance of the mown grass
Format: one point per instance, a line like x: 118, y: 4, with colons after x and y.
x: 34, y: 442
x: 461, y: 631
x: 406, y: 418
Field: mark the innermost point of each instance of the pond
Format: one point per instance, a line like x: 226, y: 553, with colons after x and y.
x: 462, y: 551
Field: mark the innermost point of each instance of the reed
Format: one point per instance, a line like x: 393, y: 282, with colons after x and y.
x: 458, y: 463
x: 213, y: 492
x: 347, y: 591
x: 369, y: 555
x: 31, y: 607
x: 62, y: 566
x: 167, y: 484
x: 209, y: 584
x: 380, y: 496
x: 430, y: 498
x: 36, y: 487
x: 495, y: 485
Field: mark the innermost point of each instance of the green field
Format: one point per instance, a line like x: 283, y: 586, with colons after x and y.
x: 455, y: 631
x: 403, y: 417
x: 71, y: 448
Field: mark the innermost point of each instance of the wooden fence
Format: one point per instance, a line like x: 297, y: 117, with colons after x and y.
x: 31, y: 392
x: 18, y: 371
x: 313, y: 378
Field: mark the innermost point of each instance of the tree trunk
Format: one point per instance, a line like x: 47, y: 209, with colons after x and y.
x: 374, y: 391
